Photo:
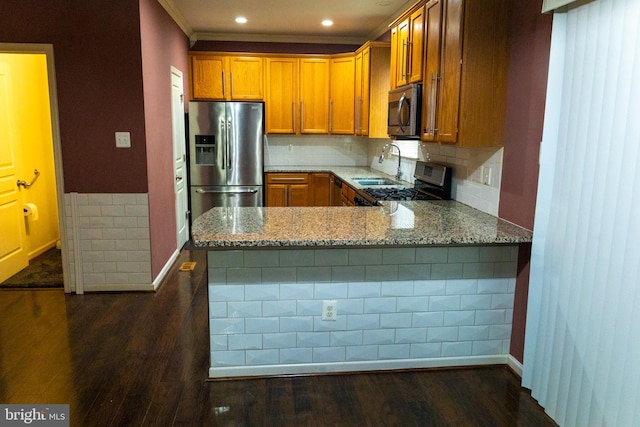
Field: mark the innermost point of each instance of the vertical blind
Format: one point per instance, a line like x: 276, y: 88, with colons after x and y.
x: 582, y: 344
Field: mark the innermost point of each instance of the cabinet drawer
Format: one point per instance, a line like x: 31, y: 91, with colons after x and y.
x: 287, y: 178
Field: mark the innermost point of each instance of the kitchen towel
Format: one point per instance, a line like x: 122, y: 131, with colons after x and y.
x: 30, y: 209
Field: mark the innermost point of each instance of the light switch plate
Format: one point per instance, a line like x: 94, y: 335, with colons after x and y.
x: 123, y: 140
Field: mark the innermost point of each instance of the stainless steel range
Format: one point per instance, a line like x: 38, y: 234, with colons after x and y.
x: 432, y: 182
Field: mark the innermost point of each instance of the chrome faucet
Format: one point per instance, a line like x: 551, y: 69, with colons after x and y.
x: 381, y: 159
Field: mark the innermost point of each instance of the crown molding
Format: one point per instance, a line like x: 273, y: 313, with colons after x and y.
x: 177, y: 17
x: 275, y: 38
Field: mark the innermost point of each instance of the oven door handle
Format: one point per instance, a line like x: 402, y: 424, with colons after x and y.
x: 403, y: 98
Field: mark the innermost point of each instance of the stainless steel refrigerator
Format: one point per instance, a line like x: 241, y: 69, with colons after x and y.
x: 226, y: 155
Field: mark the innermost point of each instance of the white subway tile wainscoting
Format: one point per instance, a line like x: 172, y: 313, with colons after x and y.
x: 108, y: 241
x: 408, y: 307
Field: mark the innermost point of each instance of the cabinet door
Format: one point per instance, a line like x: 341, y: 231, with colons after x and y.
x: 416, y: 46
x: 299, y: 195
x: 393, y: 70
x: 321, y: 186
x: 281, y: 101
x: 362, y: 85
x: 276, y: 195
x: 314, y: 95
x: 342, y: 96
x: 402, y: 53
x: 450, y: 72
x: 207, y: 77
x: 246, y: 78
x: 431, y: 70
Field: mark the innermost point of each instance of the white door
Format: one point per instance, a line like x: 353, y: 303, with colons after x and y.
x: 179, y: 157
x: 13, y: 255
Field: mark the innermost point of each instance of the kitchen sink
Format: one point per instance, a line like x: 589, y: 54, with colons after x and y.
x: 374, y: 181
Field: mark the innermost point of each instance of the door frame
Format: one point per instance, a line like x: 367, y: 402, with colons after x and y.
x: 180, y: 243
x: 47, y: 50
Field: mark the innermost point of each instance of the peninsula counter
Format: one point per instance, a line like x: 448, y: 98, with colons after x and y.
x: 415, y: 284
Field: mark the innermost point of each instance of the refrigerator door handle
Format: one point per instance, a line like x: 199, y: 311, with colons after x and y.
x: 223, y: 191
x: 224, y: 144
x: 229, y: 144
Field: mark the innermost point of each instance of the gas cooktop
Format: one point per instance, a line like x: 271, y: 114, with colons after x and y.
x: 433, y: 182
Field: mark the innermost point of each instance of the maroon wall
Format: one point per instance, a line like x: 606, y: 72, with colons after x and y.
x: 529, y: 63
x: 99, y: 83
x: 163, y: 45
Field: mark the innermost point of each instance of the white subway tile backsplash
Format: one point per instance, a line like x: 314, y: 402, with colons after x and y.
x: 262, y: 357
x: 245, y: 341
x: 296, y: 355
x: 330, y: 290
x: 427, y: 319
x: 365, y: 352
x: 262, y: 292
x: 411, y: 335
x: 275, y: 321
x: 261, y: 325
x: 314, y: 339
x: 426, y: 350
x: 379, y: 336
x: 279, y: 340
x: 278, y: 308
x: 440, y: 334
x: 296, y: 324
x: 395, y: 320
x: 328, y: 354
x: 227, y: 358
x: 346, y: 338
x: 459, y: 318
x: 394, y: 351
x: 398, y: 289
x: 379, y: 305
x: 456, y: 349
x: 444, y: 303
x: 364, y: 289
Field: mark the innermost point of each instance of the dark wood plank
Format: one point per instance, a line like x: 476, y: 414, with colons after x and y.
x: 141, y: 359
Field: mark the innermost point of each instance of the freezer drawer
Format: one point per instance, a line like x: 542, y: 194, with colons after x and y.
x: 204, y: 198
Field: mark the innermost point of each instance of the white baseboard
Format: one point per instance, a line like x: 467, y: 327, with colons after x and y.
x: 165, y: 269
x: 342, y: 367
x: 515, y: 365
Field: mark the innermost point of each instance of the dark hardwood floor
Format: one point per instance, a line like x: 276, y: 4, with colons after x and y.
x: 130, y: 359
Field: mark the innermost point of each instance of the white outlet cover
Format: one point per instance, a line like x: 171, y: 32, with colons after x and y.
x: 329, y: 310
x: 123, y: 139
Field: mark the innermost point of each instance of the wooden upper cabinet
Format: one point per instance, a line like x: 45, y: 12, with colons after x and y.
x: 407, y: 39
x: 465, y: 78
x: 372, y: 89
x: 246, y: 78
x: 342, y: 95
x: 222, y: 77
x: 281, y: 102
x: 314, y: 95
x: 207, y: 76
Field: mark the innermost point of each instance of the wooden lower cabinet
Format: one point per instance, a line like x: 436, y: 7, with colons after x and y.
x: 298, y: 189
x: 321, y: 189
x: 348, y: 194
x: 287, y: 189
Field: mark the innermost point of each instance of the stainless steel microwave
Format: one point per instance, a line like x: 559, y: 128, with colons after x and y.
x: 404, y: 112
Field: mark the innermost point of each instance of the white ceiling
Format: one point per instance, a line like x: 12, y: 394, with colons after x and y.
x: 355, y: 21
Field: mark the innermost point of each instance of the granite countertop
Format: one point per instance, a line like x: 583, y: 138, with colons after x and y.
x: 392, y: 224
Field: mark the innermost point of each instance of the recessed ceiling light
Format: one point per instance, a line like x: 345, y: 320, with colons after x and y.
x: 241, y: 20
x: 327, y: 22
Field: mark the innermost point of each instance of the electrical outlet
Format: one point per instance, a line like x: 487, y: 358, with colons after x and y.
x: 123, y: 140
x: 329, y: 309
